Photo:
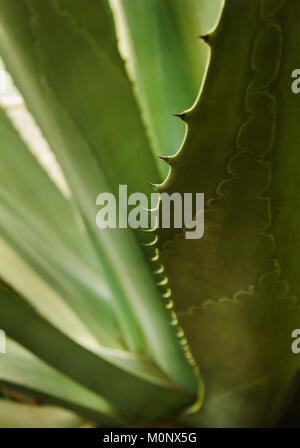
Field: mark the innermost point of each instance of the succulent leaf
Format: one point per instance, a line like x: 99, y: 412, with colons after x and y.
x: 166, y: 60
x: 235, y: 289
x: 51, y: 41
x: 112, y: 374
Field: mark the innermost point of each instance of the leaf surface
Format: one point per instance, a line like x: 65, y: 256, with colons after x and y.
x: 23, y: 371
x: 16, y: 415
x: 112, y: 374
x: 66, y: 64
x: 166, y: 60
x: 236, y: 288
x: 40, y: 225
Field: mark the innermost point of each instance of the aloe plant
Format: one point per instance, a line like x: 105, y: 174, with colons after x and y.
x: 101, y: 322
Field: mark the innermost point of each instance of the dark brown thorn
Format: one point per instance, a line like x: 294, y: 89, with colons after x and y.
x: 204, y: 37
x: 164, y: 158
x: 181, y: 116
x: 153, y: 186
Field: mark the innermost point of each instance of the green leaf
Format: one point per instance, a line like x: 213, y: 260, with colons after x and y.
x: 20, y: 173
x: 63, y: 57
x: 237, y: 288
x: 23, y: 371
x: 40, y: 225
x: 166, y: 59
x: 14, y: 415
x: 126, y: 381
x: 285, y: 181
x: 247, y: 362
x: 39, y: 294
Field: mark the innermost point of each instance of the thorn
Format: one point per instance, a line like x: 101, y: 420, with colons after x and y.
x: 181, y: 116
x: 153, y: 186
x: 204, y: 37
x: 164, y: 158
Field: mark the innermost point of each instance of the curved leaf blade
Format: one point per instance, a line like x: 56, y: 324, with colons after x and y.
x: 166, y: 61
x: 70, y: 120
x: 113, y: 374
x: 23, y: 371
x: 238, y: 289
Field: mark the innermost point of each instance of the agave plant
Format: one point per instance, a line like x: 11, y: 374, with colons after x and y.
x: 122, y: 327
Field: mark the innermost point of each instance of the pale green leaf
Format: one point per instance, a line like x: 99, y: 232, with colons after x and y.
x: 63, y: 57
x: 166, y: 59
x: 21, y: 370
x: 126, y: 381
x: 13, y: 415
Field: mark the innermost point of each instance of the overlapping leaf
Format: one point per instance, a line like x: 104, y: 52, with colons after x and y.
x: 40, y: 225
x: 66, y: 64
x: 112, y: 374
x: 166, y: 60
x: 23, y: 371
x: 16, y: 415
x: 241, y: 144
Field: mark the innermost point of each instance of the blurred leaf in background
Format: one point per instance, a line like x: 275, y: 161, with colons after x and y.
x: 159, y: 41
x: 64, y: 59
